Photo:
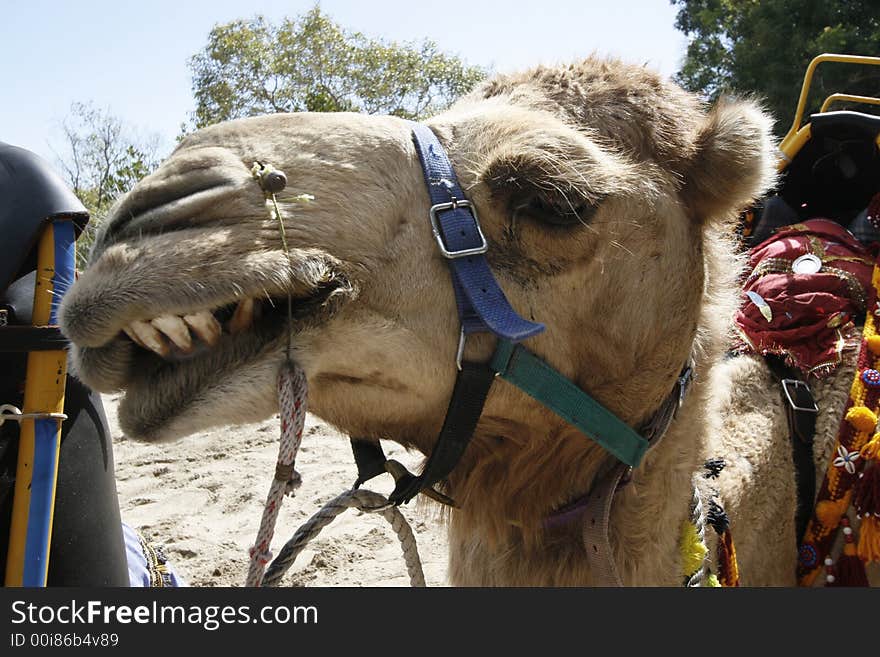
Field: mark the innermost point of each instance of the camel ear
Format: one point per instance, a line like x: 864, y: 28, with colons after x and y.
x: 734, y: 161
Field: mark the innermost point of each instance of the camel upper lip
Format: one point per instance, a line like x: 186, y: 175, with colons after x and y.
x: 188, y: 271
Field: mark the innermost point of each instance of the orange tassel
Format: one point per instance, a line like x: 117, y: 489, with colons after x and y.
x: 871, y: 449
x: 869, y: 539
x: 862, y: 418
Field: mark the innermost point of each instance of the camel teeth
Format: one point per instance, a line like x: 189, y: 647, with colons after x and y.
x: 205, y: 325
x: 243, y: 317
x: 174, y: 327
x: 147, y: 336
x: 134, y: 337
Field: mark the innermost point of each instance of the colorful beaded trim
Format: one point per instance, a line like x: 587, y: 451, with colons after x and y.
x: 853, y: 474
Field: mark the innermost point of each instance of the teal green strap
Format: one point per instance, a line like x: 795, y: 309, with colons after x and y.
x: 522, y: 368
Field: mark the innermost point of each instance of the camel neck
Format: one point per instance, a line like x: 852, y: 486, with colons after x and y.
x: 500, y: 530
x: 653, y: 431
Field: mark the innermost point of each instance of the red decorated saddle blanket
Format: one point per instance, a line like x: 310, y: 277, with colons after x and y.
x: 806, y: 286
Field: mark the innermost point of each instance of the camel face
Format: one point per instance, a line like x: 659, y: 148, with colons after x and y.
x: 595, y: 185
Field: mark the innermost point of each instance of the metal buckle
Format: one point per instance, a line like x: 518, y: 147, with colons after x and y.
x: 684, y: 383
x: 797, y: 384
x: 459, y: 354
x: 435, y: 228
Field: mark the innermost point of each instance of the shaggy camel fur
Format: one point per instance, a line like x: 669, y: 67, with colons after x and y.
x: 606, y: 194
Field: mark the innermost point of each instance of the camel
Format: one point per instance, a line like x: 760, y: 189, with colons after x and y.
x: 606, y: 194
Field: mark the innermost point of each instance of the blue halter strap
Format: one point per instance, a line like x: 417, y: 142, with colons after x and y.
x: 483, y: 307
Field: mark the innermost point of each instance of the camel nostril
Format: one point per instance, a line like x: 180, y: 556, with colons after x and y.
x: 185, y: 191
x: 160, y: 212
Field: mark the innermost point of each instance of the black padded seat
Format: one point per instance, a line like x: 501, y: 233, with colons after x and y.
x: 31, y: 193
x: 87, y: 541
x: 845, y: 121
x: 837, y: 171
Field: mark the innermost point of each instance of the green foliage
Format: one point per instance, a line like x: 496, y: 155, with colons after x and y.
x: 765, y: 46
x: 101, y: 159
x: 310, y: 63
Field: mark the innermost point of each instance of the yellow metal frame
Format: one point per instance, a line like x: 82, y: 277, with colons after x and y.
x: 848, y: 98
x: 44, y: 393
x: 797, y: 136
x: 788, y: 149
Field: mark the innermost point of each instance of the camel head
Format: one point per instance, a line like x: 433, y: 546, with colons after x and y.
x: 599, y: 186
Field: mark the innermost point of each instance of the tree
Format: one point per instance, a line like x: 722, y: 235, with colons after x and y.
x: 764, y: 47
x: 309, y: 63
x: 101, y: 158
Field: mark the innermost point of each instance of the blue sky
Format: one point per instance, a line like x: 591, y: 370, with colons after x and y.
x: 131, y: 57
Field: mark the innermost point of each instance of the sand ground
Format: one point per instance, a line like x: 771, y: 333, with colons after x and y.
x: 202, y: 497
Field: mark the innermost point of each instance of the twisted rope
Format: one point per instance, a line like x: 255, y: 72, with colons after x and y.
x: 292, y: 392
x: 363, y: 500
x: 698, y: 519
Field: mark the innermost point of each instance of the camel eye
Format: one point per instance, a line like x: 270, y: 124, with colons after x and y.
x: 556, y: 211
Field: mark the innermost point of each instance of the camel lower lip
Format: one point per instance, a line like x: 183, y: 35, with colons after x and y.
x: 159, y: 391
x: 229, y: 352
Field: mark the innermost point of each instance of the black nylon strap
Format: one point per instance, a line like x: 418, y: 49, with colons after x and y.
x: 465, y: 407
x: 31, y: 338
x: 369, y: 458
x: 796, y: 396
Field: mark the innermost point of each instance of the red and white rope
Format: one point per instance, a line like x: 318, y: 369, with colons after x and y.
x: 292, y: 395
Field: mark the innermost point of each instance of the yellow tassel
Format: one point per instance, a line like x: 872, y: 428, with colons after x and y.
x: 862, y: 418
x: 693, y: 551
x: 874, y: 344
x: 869, y: 539
x: 871, y: 449
x: 857, y: 392
x: 712, y: 581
